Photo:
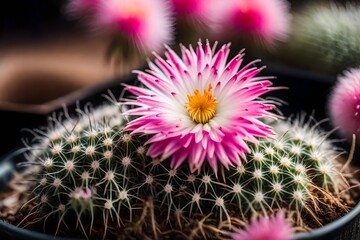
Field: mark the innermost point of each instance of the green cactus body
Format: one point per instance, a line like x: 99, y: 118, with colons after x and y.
x: 94, y: 176
x: 318, y: 153
x: 88, y: 171
x: 281, y: 172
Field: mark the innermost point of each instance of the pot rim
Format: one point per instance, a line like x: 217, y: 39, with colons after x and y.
x: 29, y: 234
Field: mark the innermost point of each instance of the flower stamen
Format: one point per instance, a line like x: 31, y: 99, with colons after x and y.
x: 201, y: 108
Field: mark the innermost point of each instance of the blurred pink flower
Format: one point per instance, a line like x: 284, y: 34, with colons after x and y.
x: 344, y: 104
x: 197, y: 10
x: 81, y: 8
x: 199, y: 107
x: 145, y: 23
x: 267, y: 21
x: 265, y: 228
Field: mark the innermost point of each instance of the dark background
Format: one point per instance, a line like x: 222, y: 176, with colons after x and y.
x: 28, y: 20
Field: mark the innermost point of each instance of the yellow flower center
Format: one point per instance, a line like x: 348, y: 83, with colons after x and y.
x: 201, y: 107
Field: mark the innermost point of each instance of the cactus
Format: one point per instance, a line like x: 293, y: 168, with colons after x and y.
x: 327, y: 35
x: 87, y: 170
x: 94, y: 176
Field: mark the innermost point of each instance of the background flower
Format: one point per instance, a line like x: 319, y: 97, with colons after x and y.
x: 344, y: 104
x: 265, y: 228
x: 266, y: 21
x: 199, y: 107
x: 146, y: 24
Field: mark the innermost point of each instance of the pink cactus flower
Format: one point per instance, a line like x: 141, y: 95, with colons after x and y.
x: 265, y: 228
x: 266, y: 21
x: 344, y: 104
x: 145, y: 23
x: 199, y: 107
x: 81, y: 8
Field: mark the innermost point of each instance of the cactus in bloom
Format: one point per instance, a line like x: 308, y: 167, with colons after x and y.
x: 328, y: 35
x: 87, y: 170
x: 94, y: 176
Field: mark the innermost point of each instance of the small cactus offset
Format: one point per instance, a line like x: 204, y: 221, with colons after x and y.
x: 87, y: 171
x: 328, y: 35
x: 311, y: 147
